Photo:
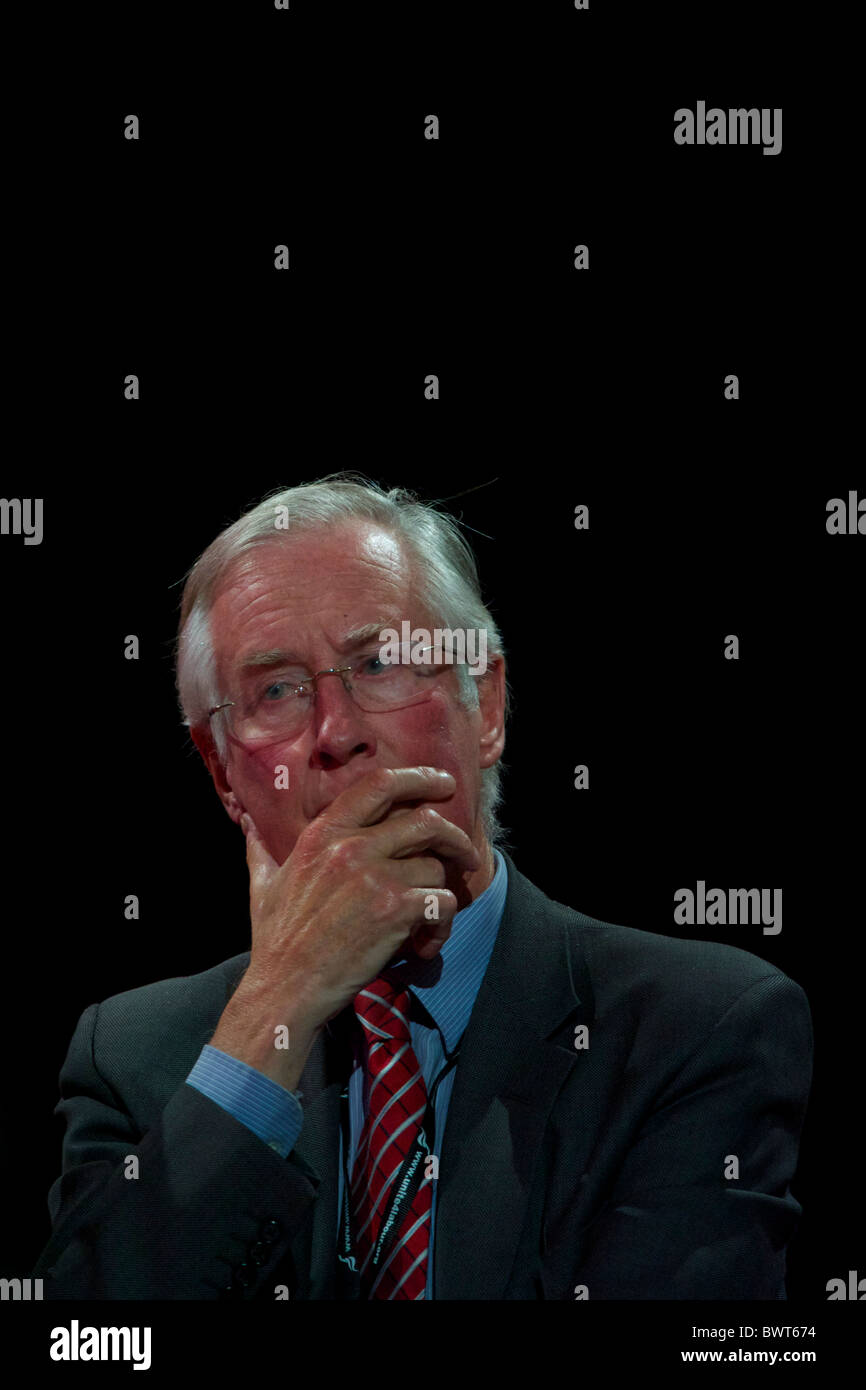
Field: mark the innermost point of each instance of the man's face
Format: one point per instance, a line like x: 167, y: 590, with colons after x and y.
x: 304, y: 595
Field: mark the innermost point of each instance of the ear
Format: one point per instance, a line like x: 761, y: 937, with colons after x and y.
x: 204, y: 742
x: 491, y: 698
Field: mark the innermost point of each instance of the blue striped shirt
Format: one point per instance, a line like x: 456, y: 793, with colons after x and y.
x: 276, y: 1115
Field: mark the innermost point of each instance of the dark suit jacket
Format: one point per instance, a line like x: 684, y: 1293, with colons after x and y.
x: 602, y: 1167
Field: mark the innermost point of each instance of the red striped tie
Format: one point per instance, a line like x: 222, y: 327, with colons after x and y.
x: 397, y: 1099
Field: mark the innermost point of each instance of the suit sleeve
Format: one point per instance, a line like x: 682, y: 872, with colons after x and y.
x: 702, y: 1208
x: 263, y: 1105
x: 208, y: 1206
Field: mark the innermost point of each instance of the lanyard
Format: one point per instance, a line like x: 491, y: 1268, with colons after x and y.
x: 403, y: 1190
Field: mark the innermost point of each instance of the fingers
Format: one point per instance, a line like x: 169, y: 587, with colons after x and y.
x: 427, y: 936
x: 419, y: 870
x: 426, y: 829
x: 364, y: 804
x: 368, y: 800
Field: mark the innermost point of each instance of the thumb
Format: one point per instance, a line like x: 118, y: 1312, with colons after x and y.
x: 261, y: 864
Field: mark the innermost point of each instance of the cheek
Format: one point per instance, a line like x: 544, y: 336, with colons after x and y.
x: 436, y: 735
x: 430, y: 723
x: 258, y: 771
x: 432, y: 734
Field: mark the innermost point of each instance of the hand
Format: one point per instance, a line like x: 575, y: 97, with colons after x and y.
x: 351, y: 893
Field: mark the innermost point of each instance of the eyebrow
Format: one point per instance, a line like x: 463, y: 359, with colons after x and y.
x: 277, y: 656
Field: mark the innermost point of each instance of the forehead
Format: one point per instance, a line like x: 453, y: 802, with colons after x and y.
x: 299, y: 591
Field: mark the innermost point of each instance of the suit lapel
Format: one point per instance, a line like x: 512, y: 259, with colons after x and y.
x: 509, y: 1074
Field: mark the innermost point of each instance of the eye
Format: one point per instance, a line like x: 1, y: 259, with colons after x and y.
x: 277, y: 690
x: 368, y: 662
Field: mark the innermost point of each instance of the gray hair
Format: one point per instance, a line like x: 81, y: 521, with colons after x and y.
x: 445, y: 575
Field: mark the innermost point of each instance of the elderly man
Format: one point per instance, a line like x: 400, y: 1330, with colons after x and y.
x: 425, y: 1079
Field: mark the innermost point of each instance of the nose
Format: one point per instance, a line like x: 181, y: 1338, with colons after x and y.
x: 338, y: 722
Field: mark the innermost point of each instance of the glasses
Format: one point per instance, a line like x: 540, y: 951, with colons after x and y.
x: 280, y: 705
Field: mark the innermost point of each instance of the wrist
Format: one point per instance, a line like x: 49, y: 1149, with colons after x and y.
x: 269, y: 1035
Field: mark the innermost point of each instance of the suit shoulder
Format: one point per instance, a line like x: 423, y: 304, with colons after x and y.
x: 702, y: 977
x: 178, y: 996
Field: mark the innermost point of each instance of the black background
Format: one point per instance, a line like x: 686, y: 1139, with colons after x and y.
x: 606, y: 387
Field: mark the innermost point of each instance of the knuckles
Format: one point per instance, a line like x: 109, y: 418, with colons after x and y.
x: 382, y: 779
x: 387, y: 901
x: 346, y: 855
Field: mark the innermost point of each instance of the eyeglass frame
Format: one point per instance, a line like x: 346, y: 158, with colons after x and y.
x: 311, y: 680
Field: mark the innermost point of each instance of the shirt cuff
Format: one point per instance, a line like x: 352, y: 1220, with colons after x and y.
x: 272, y: 1112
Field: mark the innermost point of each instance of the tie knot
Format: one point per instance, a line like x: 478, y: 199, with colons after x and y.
x: 382, y: 1008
